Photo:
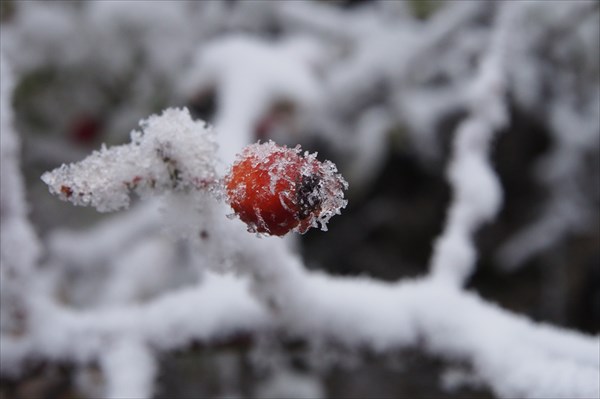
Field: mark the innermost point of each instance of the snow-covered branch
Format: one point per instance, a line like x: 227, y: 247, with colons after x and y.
x: 372, y: 85
x: 476, y: 190
x: 421, y: 313
x: 20, y: 250
x: 151, y: 163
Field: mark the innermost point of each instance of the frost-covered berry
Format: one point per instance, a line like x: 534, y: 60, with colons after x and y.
x: 276, y: 189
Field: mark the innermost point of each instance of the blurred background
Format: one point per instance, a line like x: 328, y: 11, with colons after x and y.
x: 378, y: 87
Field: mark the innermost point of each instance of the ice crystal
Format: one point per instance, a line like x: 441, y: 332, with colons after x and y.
x: 171, y: 152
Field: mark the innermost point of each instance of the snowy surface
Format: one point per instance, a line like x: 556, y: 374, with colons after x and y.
x: 173, y: 270
x: 172, y: 152
x: 249, y: 76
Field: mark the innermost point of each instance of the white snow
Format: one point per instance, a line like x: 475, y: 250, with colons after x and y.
x: 174, y: 270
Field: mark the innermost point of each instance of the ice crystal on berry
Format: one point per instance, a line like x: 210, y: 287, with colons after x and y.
x: 275, y: 189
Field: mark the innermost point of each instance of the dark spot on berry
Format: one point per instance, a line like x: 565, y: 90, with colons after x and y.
x: 203, y: 235
x: 308, y: 195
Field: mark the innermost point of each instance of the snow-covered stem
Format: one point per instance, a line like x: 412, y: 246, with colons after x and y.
x: 105, y: 239
x: 218, y: 308
x: 170, y: 153
x: 574, y: 129
x: 249, y: 76
x: 130, y: 369
x: 475, y: 187
x: 561, y: 363
x: 422, y: 311
x: 20, y: 248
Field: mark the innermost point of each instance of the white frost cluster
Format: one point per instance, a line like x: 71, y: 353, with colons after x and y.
x: 249, y: 77
x: 171, y: 152
x: 476, y: 190
x: 20, y: 249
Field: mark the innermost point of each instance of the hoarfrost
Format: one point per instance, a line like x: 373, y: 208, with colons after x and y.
x: 357, y: 91
x: 249, y: 76
x: 171, y: 152
x: 20, y: 250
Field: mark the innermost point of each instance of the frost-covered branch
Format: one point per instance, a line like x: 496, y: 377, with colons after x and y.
x: 421, y: 311
x: 368, y: 82
x: 20, y: 248
x: 130, y: 369
x: 572, y: 113
x: 105, y: 239
x: 249, y: 77
x: 560, y: 363
x: 151, y: 163
x: 409, y: 313
x: 220, y: 307
x: 476, y: 190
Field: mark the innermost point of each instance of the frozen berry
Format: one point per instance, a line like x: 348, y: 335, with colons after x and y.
x: 276, y: 189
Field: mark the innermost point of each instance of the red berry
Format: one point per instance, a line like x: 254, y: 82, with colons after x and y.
x: 86, y: 129
x: 276, y: 189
